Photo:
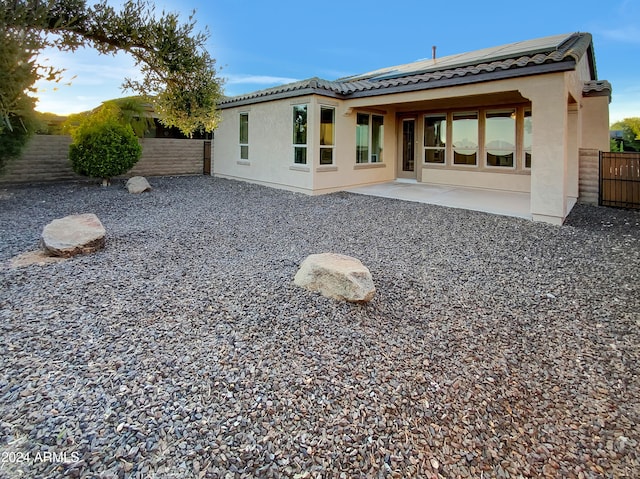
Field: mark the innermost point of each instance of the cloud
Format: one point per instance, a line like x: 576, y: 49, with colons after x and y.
x: 628, y: 34
x: 88, y: 80
x: 88, y: 67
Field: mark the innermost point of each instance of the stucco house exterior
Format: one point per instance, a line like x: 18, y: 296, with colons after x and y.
x: 509, y: 118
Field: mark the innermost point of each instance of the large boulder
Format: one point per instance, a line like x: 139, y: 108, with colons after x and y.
x: 336, y: 276
x: 72, y: 235
x: 138, y: 184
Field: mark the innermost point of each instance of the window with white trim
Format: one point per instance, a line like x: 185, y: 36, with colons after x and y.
x: 300, y: 134
x: 465, y: 138
x: 369, y: 138
x: 327, y: 134
x: 500, y: 138
x: 435, y: 138
x: 244, y: 136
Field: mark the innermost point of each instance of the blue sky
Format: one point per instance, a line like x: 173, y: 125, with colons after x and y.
x: 259, y: 44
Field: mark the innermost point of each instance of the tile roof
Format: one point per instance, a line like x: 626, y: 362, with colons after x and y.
x: 554, y: 53
x: 597, y: 88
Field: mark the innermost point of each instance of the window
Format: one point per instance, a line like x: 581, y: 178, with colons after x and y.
x: 500, y: 138
x: 244, y: 136
x: 465, y: 138
x: 527, y: 136
x: 300, y: 134
x: 327, y: 134
x: 377, y: 138
x: 362, y: 138
x: 369, y: 138
x: 506, y: 134
x: 435, y: 138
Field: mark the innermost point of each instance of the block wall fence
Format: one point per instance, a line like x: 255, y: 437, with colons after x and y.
x: 46, y: 159
x: 589, y: 179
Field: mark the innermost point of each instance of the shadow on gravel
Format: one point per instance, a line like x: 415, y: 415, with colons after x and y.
x: 615, y: 221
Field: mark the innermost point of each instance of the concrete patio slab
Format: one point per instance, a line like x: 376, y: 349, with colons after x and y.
x: 506, y: 203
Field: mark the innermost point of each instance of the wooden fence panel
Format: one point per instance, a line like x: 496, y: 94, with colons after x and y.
x: 620, y: 179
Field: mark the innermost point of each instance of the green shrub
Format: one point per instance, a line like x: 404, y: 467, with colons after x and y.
x: 104, y: 149
x: 15, y: 132
x: 12, y: 142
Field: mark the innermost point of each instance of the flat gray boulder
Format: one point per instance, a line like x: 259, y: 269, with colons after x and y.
x: 336, y: 276
x: 138, y: 184
x: 72, y: 235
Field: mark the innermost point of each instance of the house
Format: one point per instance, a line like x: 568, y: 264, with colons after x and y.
x: 509, y: 118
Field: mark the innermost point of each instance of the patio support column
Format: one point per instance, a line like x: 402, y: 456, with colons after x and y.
x: 549, y: 149
x: 572, y: 155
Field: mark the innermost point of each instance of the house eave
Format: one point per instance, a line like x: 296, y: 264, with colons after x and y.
x: 566, y: 65
x: 280, y: 96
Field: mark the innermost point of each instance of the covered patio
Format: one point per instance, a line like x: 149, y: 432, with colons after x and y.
x: 506, y: 203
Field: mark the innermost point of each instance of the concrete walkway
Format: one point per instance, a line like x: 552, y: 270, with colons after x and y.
x: 498, y: 202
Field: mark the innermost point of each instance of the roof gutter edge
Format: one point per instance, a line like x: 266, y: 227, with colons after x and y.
x: 566, y: 65
x: 280, y: 96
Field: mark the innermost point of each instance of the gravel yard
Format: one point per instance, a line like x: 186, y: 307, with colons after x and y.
x: 494, y: 347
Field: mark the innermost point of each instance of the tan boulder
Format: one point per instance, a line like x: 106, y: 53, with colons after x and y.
x: 138, y: 184
x: 72, y: 235
x: 336, y: 276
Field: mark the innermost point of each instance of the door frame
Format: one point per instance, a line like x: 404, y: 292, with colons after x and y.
x: 400, y: 173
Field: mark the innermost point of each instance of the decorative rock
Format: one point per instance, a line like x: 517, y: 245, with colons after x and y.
x: 336, y: 276
x: 138, y: 184
x: 72, y: 235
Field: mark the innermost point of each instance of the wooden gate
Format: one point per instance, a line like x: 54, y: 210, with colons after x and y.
x: 619, y: 180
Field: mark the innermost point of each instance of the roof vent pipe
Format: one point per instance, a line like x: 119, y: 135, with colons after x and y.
x: 433, y: 53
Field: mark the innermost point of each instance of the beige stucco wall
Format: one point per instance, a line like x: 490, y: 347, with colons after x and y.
x: 477, y: 179
x: 549, y: 102
x: 595, y: 123
x: 345, y: 172
x: 271, y: 149
x: 270, y: 146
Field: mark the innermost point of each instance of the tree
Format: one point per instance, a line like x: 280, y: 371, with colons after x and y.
x: 13, y: 140
x: 178, y: 74
x: 18, y: 73
x: 50, y: 124
x: 133, y: 111
x: 630, y: 133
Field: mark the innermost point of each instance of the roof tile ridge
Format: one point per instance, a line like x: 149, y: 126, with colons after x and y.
x: 575, y: 46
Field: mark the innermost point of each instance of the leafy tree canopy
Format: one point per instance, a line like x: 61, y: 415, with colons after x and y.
x: 630, y: 132
x: 178, y: 74
x: 50, y: 123
x: 133, y: 111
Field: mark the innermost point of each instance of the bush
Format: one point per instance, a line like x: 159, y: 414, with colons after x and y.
x: 104, y: 149
x: 15, y: 132
x: 12, y: 143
